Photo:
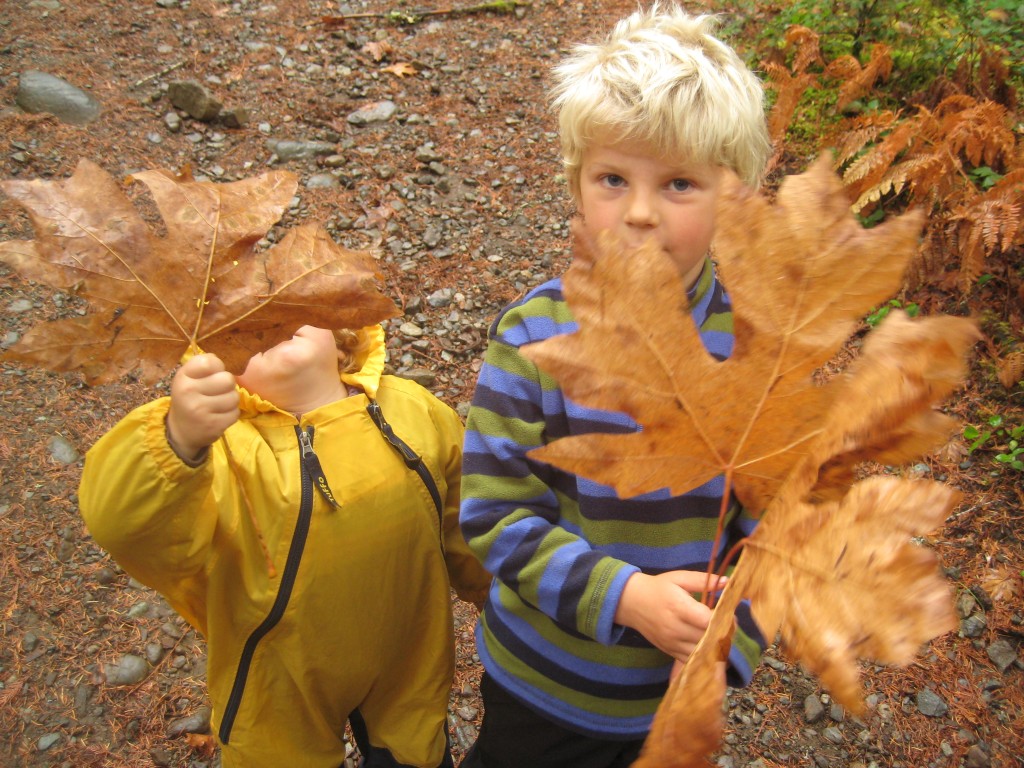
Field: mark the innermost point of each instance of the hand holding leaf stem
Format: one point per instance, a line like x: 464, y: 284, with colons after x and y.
x: 663, y: 610
x: 204, y: 403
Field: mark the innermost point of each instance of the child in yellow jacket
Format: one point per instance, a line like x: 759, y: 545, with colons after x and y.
x: 313, y: 546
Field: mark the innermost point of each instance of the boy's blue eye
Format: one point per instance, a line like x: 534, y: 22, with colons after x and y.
x: 614, y: 180
x: 681, y: 185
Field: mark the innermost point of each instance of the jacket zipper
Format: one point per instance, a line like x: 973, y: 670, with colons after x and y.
x: 284, y: 591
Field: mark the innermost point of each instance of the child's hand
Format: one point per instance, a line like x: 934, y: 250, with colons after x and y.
x: 204, y: 403
x: 662, y: 609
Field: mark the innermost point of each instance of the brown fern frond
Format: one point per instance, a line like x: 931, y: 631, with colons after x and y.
x: 857, y: 133
x: 806, y: 48
x: 869, y: 169
x: 920, y: 173
x: 859, y: 80
x: 952, y: 104
x: 934, y: 177
x: 988, y: 225
x: 972, y: 254
x: 981, y: 132
x: 788, y: 89
x: 1010, y: 369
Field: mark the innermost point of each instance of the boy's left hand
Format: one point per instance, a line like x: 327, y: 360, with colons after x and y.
x: 662, y: 609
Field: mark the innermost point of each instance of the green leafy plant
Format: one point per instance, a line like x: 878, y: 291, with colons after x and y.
x: 985, y: 177
x: 997, y: 435
x: 879, y: 314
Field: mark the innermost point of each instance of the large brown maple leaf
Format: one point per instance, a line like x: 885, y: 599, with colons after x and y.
x: 832, y: 567
x: 201, y: 285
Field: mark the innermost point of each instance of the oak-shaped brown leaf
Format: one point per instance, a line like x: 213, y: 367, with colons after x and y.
x: 832, y: 568
x: 202, y: 284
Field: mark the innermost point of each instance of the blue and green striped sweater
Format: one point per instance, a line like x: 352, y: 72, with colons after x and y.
x: 561, y: 547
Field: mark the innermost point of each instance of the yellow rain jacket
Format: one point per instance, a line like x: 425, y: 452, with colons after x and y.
x: 355, y: 610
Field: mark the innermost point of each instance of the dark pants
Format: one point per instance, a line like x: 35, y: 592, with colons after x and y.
x: 378, y: 757
x: 514, y: 736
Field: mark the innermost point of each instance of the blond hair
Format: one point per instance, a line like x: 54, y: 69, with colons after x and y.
x: 662, y: 79
x: 352, y: 349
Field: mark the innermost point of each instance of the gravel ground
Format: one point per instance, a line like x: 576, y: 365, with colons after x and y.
x: 432, y: 144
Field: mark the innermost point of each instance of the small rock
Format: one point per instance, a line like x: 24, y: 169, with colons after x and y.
x: 47, y: 741
x: 197, y: 722
x: 421, y: 376
x: 930, y: 704
x: 63, y: 451
x: 19, y: 305
x: 973, y: 626
x: 154, y: 652
x: 173, y: 122
x: 833, y: 734
x: 161, y: 757
x: 83, y: 693
x: 410, y: 329
x: 377, y: 112
x: 440, y: 298
x: 235, y: 117
x: 29, y: 641
x: 299, y: 150
x: 813, y: 709
x: 1003, y: 654
x: 129, y: 670
x: 105, y: 576
x: 193, y: 98
x: 322, y: 181
x: 976, y: 758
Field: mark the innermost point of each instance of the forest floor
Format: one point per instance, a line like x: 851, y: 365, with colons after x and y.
x: 459, y: 189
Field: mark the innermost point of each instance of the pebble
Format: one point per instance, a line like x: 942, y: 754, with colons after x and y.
x: 1002, y: 654
x: 377, y: 112
x: 62, y: 451
x: 129, y: 670
x: 47, y: 741
x: 930, y: 704
x: 196, y: 722
x: 814, y: 710
x: 194, y: 99
x: 286, y: 150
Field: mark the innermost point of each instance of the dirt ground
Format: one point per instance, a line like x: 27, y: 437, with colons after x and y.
x: 459, y: 190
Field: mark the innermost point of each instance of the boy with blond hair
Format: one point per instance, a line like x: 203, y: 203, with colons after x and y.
x: 591, y: 609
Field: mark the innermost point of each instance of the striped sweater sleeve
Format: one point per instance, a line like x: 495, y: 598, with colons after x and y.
x: 511, y: 513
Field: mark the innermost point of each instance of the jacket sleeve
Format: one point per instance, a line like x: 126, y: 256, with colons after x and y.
x: 468, y: 577
x: 149, y: 509
x: 512, y: 516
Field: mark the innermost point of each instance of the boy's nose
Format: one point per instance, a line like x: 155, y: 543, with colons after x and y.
x: 640, y: 212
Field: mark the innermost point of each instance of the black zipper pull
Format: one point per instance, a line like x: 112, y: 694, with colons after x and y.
x: 311, y: 463
x: 409, y: 456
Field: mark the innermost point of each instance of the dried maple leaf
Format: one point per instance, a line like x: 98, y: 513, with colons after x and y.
x: 832, y: 567
x: 401, y: 69
x: 201, y: 285
x: 1002, y: 584
x: 203, y: 743
x: 801, y: 273
x: 378, y: 49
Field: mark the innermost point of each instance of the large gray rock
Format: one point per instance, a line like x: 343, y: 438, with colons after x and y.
x: 43, y: 92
